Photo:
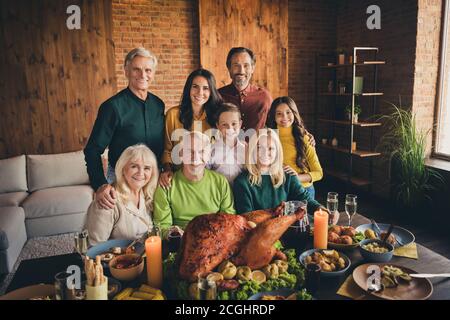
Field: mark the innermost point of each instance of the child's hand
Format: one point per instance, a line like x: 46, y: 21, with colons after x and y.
x: 312, y: 141
x: 289, y: 170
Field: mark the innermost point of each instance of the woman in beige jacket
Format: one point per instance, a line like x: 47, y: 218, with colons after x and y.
x: 136, y: 180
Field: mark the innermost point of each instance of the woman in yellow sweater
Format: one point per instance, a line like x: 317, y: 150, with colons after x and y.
x: 300, y: 157
x: 196, y: 112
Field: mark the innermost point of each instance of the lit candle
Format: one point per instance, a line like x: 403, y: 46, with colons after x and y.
x: 153, y: 251
x: 320, y: 229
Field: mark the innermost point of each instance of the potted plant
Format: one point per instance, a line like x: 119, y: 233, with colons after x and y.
x: 357, y: 111
x: 404, y: 145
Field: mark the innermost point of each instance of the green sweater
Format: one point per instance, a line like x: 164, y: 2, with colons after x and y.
x: 248, y: 197
x: 122, y: 121
x: 185, y: 199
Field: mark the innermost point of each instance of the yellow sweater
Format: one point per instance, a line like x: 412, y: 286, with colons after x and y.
x: 172, y: 123
x: 314, y: 168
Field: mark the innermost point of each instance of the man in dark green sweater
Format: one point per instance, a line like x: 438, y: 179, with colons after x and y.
x: 134, y: 115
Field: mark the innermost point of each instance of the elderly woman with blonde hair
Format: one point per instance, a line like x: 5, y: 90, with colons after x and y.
x: 136, y: 179
x: 265, y: 184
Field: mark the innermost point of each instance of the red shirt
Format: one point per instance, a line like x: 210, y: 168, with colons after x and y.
x: 254, y: 103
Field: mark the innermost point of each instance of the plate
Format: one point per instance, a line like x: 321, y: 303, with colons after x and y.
x: 281, y: 292
x: 326, y: 273
x: 417, y: 289
x: 105, y: 246
x: 29, y: 292
x: 405, y: 236
x: 343, y: 247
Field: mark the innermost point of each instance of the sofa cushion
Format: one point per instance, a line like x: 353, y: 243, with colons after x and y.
x: 12, y: 219
x: 12, y: 199
x: 13, y: 175
x: 58, y: 201
x: 56, y: 170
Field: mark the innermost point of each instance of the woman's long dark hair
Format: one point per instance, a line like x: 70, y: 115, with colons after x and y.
x: 210, y: 107
x: 298, y: 128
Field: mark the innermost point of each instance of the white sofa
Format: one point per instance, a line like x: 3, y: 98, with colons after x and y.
x: 40, y: 195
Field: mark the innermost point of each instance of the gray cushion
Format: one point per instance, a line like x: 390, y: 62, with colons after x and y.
x: 58, y: 201
x: 11, y: 221
x: 48, y: 226
x: 56, y: 170
x: 13, y: 175
x: 12, y: 199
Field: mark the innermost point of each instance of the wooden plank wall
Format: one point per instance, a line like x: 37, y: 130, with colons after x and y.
x: 52, y: 79
x: 257, y: 24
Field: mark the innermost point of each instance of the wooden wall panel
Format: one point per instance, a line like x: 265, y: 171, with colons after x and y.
x: 259, y: 25
x: 52, y: 79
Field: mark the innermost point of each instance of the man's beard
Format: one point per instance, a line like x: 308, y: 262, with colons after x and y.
x: 240, y: 82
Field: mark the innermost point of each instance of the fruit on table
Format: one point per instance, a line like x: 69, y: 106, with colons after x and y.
x: 271, y: 271
x: 282, y: 265
x: 370, y: 234
x: 227, y: 269
x: 259, y: 276
x: 215, y: 276
x: 244, y: 273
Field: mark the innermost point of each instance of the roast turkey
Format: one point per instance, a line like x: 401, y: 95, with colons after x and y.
x: 210, y: 239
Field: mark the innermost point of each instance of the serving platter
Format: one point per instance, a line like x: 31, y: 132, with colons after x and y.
x: 416, y: 289
x: 403, y: 235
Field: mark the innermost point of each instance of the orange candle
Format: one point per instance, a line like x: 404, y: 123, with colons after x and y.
x: 153, y: 251
x: 320, y: 229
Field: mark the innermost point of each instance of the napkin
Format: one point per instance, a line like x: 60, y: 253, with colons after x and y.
x: 351, y: 290
x: 408, y: 251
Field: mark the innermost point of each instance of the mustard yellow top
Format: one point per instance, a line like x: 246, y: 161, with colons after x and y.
x: 172, y: 123
x: 290, y: 154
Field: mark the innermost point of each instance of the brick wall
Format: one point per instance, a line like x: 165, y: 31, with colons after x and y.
x: 169, y: 28
x: 427, y: 64
x: 312, y: 26
x: 396, y: 41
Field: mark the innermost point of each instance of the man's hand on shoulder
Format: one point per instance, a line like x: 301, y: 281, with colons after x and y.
x: 106, y: 196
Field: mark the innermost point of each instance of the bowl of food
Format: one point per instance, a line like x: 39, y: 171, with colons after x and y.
x: 344, y: 238
x: 126, y: 267
x: 374, y: 250
x: 332, y: 262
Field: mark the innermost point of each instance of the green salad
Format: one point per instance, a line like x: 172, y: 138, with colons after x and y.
x: 292, y: 279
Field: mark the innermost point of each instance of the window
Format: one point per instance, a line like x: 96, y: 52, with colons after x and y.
x: 442, y: 137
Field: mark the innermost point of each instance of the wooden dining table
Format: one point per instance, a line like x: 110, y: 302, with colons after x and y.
x: 43, y: 270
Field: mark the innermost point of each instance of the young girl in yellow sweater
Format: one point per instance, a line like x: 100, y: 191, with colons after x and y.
x: 300, y: 158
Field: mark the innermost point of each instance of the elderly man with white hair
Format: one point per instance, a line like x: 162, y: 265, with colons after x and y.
x: 194, y: 190
x: 132, y: 116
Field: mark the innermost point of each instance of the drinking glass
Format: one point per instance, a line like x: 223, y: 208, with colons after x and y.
x: 333, y: 202
x: 312, y: 279
x: 350, y: 206
x: 174, y: 239
x: 81, y: 242
x: 207, y: 289
x: 64, y: 290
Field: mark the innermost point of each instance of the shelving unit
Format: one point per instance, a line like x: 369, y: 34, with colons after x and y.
x: 329, y: 71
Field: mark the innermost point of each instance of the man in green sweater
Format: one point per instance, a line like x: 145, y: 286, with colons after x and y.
x: 132, y: 116
x: 194, y: 190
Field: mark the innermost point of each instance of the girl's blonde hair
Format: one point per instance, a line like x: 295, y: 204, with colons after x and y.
x: 133, y: 153
x: 276, y: 168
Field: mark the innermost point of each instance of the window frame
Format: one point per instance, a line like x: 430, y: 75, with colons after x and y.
x: 445, y: 24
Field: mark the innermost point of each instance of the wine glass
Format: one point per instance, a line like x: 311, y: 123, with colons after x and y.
x: 350, y: 207
x: 333, y: 204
